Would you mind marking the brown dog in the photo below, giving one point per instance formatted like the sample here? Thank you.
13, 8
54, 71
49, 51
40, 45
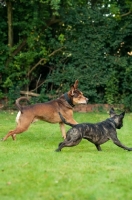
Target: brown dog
48, 111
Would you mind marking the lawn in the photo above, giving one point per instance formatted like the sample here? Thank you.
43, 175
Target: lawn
30, 169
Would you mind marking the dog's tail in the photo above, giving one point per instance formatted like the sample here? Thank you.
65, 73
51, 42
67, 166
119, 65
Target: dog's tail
64, 121
19, 106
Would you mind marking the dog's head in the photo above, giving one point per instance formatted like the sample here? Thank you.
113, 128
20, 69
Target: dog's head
118, 119
76, 95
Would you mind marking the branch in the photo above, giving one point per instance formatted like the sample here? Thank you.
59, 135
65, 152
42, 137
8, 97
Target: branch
38, 86
53, 20
28, 93
19, 47
56, 51
126, 13
38, 63
38, 82
16, 51
44, 59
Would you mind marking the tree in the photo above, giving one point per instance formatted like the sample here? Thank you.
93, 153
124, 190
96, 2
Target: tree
55, 42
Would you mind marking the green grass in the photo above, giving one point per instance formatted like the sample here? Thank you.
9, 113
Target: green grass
31, 169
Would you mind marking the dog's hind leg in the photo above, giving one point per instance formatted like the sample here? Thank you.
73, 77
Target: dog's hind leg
14, 136
65, 144
69, 143
14, 132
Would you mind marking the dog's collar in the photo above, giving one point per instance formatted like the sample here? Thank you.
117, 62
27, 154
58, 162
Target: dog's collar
68, 99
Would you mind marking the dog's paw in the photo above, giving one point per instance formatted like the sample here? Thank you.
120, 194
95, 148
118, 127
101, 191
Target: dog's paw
130, 149
57, 150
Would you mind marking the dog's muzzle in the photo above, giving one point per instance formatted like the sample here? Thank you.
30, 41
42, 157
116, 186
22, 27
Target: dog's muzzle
87, 100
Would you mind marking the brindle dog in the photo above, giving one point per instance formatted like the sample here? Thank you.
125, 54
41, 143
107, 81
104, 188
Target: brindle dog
98, 133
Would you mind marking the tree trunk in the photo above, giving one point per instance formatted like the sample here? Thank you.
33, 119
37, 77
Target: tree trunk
10, 29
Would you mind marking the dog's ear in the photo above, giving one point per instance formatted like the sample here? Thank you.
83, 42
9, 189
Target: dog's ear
112, 109
112, 112
72, 91
122, 114
76, 84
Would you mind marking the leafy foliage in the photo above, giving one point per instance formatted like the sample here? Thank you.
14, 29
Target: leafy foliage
56, 42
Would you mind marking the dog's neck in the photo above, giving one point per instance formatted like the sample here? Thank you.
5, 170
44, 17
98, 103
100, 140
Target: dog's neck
113, 122
68, 99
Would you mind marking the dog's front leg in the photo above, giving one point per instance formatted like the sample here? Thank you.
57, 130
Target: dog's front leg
119, 144
62, 127
98, 147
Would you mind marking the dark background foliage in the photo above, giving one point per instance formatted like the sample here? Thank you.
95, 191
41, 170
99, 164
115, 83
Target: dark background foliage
46, 45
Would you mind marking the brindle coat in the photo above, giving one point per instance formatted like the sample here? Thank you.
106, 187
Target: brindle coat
98, 133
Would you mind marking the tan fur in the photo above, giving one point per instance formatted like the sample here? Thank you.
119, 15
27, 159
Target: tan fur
48, 111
